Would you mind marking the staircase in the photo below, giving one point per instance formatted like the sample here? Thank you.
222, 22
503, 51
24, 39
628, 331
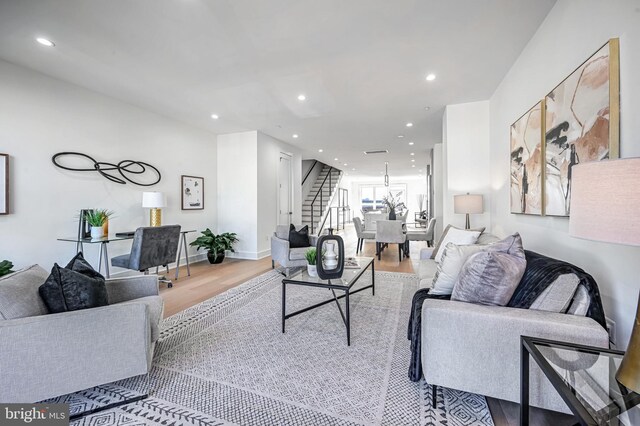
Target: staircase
316, 206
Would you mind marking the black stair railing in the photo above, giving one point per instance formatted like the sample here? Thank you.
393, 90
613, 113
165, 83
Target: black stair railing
309, 172
321, 200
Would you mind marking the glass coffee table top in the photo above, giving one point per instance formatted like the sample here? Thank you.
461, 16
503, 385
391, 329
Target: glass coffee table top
589, 374
349, 276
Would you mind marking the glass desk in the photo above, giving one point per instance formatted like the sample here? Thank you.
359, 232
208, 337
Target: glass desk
349, 277
103, 256
584, 376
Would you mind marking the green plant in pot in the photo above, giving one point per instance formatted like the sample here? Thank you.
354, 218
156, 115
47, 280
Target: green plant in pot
216, 245
311, 256
5, 267
96, 219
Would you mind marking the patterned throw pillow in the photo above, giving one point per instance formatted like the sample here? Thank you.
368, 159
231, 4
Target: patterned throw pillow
453, 258
490, 277
459, 237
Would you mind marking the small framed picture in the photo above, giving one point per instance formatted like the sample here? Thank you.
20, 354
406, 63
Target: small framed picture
4, 184
192, 193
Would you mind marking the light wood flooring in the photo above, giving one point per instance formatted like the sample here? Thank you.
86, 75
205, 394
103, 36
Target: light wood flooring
208, 280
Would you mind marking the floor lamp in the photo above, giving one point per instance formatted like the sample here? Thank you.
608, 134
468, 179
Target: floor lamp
605, 201
468, 204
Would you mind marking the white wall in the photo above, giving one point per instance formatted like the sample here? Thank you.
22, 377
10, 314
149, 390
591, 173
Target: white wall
438, 185
40, 116
466, 152
571, 33
238, 190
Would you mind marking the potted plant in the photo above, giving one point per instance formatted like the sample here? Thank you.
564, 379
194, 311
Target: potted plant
393, 203
311, 256
96, 219
5, 267
216, 245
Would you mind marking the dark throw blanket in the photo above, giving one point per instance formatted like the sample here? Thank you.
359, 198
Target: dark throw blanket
541, 272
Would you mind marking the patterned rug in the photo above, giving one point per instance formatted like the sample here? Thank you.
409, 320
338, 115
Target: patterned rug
226, 362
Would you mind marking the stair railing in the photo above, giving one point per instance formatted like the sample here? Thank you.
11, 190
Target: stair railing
322, 202
309, 172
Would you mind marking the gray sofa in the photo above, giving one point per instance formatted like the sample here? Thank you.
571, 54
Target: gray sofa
286, 256
476, 348
46, 355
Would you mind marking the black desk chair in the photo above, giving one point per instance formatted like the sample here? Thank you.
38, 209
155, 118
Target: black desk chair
152, 247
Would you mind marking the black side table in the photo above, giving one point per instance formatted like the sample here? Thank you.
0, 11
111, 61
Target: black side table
584, 376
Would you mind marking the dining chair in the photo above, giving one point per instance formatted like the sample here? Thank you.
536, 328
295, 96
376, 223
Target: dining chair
362, 234
390, 232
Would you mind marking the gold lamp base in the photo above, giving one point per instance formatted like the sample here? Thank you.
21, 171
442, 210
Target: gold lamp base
629, 372
155, 217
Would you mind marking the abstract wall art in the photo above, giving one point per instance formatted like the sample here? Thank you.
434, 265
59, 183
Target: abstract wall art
4, 184
582, 123
192, 193
527, 134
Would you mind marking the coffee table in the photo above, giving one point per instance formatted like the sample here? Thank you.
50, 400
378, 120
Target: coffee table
344, 284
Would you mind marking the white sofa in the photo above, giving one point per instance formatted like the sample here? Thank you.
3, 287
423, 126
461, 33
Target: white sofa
476, 348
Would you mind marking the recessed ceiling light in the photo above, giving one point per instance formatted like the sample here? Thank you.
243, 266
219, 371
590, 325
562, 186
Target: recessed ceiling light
295, 136
409, 124
413, 160
400, 136
427, 108
301, 97
353, 169
410, 143
413, 153
215, 116
345, 164
335, 159
420, 170
413, 165
45, 42
431, 77
320, 150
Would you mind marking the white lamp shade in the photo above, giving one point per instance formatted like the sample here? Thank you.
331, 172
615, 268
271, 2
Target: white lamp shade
468, 203
153, 200
605, 201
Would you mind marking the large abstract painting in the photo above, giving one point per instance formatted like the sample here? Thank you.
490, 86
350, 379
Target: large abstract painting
582, 123
527, 162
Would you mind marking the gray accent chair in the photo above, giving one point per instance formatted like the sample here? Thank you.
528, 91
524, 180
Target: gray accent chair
390, 232
362, 234
152, 247
284, 255
46, 355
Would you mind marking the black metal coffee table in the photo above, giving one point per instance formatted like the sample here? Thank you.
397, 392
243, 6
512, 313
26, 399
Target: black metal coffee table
345, 284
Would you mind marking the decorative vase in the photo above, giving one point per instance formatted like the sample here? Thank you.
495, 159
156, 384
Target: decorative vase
97, 232
105, 227
312, 270
392, 214
215, 259
330, 257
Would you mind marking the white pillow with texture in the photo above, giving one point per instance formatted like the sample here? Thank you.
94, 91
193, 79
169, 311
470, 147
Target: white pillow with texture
453, 258
458, 237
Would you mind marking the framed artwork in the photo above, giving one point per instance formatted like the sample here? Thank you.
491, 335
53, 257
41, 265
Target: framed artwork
192, 193
582, 123
527, 166
4, 184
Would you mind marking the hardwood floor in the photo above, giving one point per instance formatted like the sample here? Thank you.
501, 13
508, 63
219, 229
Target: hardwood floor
208, 280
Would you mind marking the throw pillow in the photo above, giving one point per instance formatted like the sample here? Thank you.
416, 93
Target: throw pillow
77, 287
458, 237
299, 238
443, 236
490, 277
453, 258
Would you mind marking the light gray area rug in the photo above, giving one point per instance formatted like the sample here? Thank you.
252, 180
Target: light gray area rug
226, 362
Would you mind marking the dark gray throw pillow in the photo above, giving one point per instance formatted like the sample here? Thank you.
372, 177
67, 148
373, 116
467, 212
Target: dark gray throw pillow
74, 288
299, 238
491, 276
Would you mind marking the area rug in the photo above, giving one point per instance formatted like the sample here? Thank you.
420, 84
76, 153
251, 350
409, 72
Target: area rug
226, 362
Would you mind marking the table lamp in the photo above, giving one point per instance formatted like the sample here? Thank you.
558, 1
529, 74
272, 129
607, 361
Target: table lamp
154, 201
468, 204
605, 200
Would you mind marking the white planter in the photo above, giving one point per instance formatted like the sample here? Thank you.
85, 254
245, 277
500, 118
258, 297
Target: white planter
312, 270
97, 232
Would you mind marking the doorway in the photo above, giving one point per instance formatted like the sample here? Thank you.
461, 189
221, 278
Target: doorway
285, 211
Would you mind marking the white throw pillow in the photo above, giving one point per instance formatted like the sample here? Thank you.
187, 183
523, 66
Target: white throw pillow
449, 267
458, 237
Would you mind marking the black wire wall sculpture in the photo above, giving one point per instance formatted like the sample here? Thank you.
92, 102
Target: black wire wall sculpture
126, 168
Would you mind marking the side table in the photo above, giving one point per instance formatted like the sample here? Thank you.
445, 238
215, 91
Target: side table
183, 243
584, 376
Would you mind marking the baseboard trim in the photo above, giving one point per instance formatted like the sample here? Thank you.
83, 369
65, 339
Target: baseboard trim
249, 255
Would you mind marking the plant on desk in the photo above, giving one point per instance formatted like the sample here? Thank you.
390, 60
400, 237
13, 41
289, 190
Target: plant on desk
5, 267
216, 245
97, 219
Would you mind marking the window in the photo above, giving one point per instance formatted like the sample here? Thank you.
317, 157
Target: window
371, 195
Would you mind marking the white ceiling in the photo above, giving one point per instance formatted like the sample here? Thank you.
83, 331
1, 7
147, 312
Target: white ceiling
361, 63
